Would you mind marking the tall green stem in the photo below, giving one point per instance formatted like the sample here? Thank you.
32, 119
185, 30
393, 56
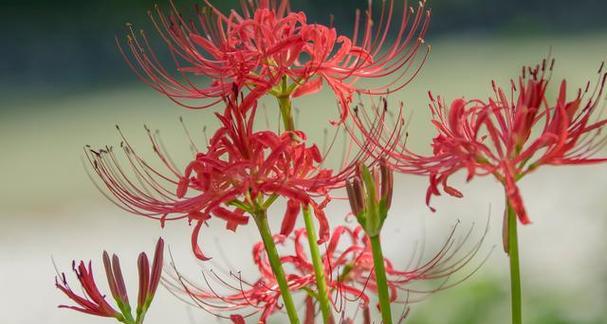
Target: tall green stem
285, 105
381, 280
319, 271
284, 102
261, 219
515, 272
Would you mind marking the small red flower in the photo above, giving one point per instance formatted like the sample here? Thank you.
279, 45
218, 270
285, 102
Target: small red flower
94, 303
508, 136
348, 261
267, 44
243, 299
242, 169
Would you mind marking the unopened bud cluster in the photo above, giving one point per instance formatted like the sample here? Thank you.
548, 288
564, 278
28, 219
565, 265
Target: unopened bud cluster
370, 196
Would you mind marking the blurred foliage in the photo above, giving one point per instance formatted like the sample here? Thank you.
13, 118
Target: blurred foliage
485, 300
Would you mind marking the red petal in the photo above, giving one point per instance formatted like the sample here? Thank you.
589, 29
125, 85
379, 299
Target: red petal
290, 217
233, 218
455, 112
515, 199
323, 230
182, 187
237, 319
195, 247
310, 311
309, 87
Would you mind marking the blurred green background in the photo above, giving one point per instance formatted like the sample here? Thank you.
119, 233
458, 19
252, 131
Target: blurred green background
63, 84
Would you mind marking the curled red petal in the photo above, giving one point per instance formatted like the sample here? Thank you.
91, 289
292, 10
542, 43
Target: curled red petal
195, 247
308, 87
323, 229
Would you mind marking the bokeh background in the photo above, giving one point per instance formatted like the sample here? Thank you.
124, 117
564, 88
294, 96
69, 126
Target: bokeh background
63, 84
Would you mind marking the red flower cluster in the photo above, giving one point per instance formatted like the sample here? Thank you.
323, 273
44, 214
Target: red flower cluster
266, 45
507, 136
239, 169
350, 276
94, 302
511, 136
267, 49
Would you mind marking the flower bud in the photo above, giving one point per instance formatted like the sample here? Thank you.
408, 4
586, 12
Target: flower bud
93, 301
355, 196
370, 196
387, 183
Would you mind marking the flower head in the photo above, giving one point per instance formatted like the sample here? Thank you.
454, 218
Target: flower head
94, 302
242, 298
348, 261
507, 136
241, 171
267, 48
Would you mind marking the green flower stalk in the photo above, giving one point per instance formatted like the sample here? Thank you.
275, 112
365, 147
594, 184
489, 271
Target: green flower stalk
526, 125
322, 295
511, 247
261, 219
370, 196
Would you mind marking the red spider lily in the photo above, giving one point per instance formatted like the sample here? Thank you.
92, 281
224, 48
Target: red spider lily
243, 299
510, 137
239, 169
506, 136
267, 45
349, 265
94, 303
349, 259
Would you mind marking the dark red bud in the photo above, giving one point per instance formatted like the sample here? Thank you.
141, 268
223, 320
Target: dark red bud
352, 198
119, 279
107, 264
359, 195
156, 267
387, 183
143, 267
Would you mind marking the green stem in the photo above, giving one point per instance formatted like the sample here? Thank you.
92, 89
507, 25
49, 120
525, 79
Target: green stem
125, 309
381, 280
515, 272
126, 320
261, 220
284, 102
140, 317
319, 271
285, 105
